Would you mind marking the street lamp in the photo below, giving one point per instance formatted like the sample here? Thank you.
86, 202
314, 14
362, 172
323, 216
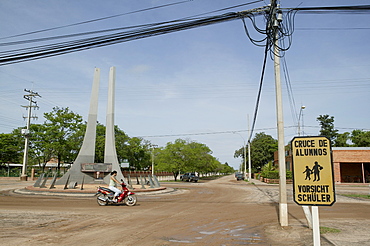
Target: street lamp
153, 146
299, 120
245, 157
306, 209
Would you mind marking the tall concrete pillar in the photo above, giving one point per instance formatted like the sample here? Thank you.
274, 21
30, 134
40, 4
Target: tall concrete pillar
87, 151
110, 153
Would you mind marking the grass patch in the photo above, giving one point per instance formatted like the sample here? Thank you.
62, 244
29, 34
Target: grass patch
357, 196
324, 230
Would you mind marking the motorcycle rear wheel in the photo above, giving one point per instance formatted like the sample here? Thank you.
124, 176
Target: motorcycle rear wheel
103, 201
130, 200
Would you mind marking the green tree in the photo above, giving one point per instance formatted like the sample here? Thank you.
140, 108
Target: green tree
186, 156
172, 158
75, 140
61, 126
10, 148
61, 136
327, 127
199, 158
360, 138
262, 149
138, 153
122, 144
100, 143
121, 141
226, 169
39, 153
342, 140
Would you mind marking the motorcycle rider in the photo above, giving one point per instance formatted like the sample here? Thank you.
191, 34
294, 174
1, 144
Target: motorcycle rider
112, 185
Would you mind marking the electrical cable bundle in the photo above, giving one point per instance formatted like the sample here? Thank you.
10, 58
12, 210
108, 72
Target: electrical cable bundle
143, 31
38, 52
130, 33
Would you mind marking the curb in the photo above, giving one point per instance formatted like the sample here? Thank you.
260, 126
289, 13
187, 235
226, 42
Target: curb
30, 190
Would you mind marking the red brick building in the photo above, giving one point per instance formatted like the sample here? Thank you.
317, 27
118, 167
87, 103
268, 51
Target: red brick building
350, 164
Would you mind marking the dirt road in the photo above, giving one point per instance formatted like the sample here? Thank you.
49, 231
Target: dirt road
218, 212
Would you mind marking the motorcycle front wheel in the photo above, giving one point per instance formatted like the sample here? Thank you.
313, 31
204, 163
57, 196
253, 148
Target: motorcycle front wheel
130, 200
102, 199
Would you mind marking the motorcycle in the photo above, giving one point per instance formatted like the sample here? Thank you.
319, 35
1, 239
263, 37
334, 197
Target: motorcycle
105, 196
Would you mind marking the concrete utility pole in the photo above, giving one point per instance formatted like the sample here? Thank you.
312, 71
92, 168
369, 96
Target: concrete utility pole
276, 19
152, 153
306, 209
245, 155
26, 132
245, 161
249, 153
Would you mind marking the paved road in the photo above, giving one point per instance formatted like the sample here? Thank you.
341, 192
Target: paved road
218, 212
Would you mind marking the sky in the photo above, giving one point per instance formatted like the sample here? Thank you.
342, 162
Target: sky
200, 84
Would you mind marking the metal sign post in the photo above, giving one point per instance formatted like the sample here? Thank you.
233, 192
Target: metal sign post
313, 179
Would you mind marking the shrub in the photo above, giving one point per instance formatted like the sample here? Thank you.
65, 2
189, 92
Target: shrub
275, 174
266, 169
289, 175
272, 175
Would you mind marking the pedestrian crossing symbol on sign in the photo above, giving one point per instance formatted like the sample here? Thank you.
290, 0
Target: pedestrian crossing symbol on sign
313, 182
315, 171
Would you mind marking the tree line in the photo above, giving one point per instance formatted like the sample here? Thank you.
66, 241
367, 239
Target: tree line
356, 138
61, 135
263, 146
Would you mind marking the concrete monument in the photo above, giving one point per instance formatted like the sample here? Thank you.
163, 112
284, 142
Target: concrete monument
84, 169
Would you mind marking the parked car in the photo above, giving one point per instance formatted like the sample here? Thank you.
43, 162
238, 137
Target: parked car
189, 177
239, 176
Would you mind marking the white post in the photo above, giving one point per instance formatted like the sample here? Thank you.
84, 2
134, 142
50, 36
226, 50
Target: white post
316, 226
26, 131
306, 209
25, 154
245, 161
363, 174
281, 147
307, 213
249, 152
283, 205
152, 153
152, 163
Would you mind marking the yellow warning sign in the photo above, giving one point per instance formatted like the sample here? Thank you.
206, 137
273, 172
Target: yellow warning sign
313, 182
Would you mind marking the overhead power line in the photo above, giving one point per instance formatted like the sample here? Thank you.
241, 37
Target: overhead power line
206, 133
38, 52
332, 28
238, 131
107, 30
43, 51
97, 19
360, 9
